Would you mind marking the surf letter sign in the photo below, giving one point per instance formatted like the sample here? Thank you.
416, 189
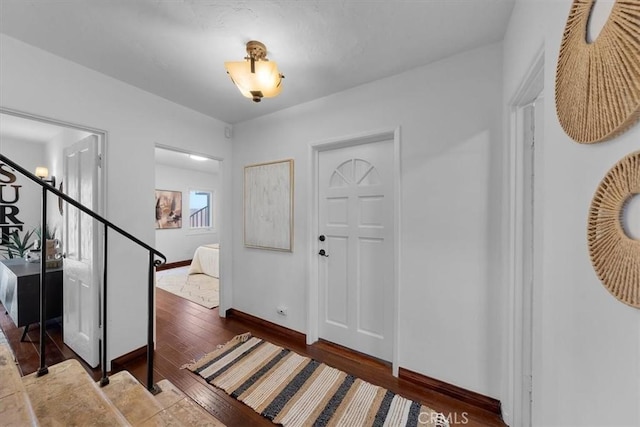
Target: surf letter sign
9, 196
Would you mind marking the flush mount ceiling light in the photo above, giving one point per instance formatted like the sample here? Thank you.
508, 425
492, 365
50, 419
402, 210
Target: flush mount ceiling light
256, 77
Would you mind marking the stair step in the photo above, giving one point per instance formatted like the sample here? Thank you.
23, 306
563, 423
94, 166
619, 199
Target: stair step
15, 406
180, 409
67, 396
170, 407
131, 398
170, 394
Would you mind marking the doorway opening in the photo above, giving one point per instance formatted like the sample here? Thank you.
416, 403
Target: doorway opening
188, 223
70, 154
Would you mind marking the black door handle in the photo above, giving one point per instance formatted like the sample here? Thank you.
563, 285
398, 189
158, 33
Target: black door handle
323, 253
322, 238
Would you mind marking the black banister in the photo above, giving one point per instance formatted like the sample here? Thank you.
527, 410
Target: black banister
153, 263
80, 206
150, 384
43, 370
103, 363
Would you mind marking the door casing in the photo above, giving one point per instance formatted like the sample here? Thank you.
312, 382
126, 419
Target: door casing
102, 176
518, 350
312, 216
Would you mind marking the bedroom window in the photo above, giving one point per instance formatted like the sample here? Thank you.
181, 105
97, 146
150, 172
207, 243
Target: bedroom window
200, 209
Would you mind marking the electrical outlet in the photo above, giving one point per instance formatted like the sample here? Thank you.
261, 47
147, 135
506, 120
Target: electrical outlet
282, 311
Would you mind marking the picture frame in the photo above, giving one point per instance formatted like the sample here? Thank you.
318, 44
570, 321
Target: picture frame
168, 209
268, 205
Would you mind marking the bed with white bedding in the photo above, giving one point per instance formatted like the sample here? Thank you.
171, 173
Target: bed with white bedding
206, 260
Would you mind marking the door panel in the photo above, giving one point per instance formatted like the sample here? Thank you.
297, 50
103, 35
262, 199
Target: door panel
371, 211
355, 213
81, 283
338, 211
336, 296
370, 300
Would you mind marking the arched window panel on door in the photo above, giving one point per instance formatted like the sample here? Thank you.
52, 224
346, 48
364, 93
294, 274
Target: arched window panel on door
355, 172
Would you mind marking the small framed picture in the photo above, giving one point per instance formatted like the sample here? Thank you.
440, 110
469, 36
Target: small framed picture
168, 209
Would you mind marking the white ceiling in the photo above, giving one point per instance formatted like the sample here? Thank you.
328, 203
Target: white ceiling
176, 48
20, 129
182, 160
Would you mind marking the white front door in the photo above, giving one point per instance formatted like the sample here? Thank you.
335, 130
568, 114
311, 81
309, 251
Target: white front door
81, 281
356, 233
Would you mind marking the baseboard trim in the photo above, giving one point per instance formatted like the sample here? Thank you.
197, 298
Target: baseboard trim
232, 313
471, 397
174, 265
118, 363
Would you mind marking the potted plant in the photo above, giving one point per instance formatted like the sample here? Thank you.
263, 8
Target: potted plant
49, 235
50, 250
16, 246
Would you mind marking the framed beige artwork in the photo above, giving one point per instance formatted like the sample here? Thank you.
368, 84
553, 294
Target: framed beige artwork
268, 205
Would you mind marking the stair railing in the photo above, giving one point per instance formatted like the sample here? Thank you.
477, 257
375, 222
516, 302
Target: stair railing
199, 218
153, 264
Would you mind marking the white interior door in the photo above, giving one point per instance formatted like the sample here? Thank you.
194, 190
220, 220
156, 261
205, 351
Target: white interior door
81, 281
356, 275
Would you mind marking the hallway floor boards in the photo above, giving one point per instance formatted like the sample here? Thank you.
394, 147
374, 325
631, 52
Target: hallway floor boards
187, 331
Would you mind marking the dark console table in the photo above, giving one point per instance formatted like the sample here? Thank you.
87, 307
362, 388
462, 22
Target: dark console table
20, 292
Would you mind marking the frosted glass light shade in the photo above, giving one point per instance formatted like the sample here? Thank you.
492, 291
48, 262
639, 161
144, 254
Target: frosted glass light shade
42, 172
265, 82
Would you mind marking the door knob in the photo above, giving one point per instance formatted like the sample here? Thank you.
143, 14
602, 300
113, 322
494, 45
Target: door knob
323, 253
322, 238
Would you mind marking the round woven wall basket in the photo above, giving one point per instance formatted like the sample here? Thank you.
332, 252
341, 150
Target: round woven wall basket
615, 255
598, 83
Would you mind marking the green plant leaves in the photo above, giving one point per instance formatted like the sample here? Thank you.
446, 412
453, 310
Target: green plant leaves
17, 246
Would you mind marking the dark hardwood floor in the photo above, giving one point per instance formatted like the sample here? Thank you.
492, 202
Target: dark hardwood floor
187, 331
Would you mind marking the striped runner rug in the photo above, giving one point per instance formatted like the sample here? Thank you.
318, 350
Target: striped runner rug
294, 390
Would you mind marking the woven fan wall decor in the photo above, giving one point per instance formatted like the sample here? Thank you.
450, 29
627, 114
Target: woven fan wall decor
615, 255
598, 83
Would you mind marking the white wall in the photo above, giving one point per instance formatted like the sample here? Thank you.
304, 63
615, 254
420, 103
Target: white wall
37, 82
179, 244
450, 119
29, 155
587, 355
